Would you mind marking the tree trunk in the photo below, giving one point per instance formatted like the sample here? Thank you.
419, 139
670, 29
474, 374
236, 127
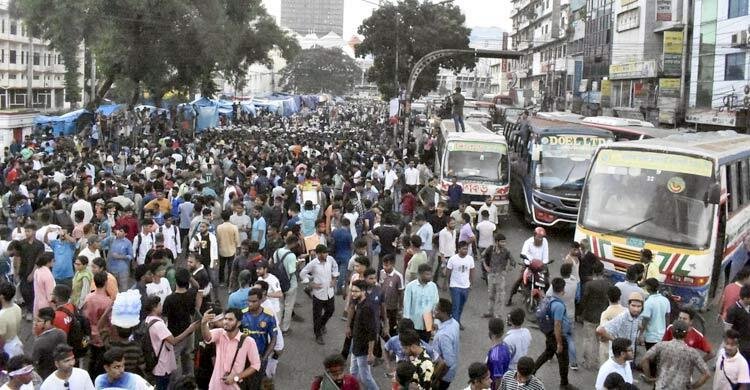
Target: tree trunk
97, 100
136, 95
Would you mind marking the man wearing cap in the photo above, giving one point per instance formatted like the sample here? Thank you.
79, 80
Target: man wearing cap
67, 376
324, 272
626, 325
677, 362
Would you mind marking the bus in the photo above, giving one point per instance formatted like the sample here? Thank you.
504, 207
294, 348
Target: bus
685, 197
478, 159
549, 160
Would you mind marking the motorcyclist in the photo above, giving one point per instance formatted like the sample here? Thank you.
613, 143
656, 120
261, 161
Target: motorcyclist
535, 248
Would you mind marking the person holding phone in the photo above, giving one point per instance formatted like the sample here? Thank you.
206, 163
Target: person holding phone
233, 350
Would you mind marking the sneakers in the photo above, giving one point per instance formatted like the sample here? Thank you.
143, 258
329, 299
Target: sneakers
574, 367
319, 340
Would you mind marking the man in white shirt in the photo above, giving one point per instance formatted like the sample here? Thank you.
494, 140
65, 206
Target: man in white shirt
491, 208
67, 375
411, 175
622, 355
486, 231
143, 242
425, 232
83, 205
460, 271
536, 247
390, 177
274, 286
241, 220
324, 272
446, 246
171, 234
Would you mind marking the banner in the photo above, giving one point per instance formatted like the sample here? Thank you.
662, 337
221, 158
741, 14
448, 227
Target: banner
672, 58
664, 10
669, 88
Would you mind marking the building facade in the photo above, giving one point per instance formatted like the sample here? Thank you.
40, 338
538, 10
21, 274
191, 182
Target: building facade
540, 29
23, 57
313, 16
719, 71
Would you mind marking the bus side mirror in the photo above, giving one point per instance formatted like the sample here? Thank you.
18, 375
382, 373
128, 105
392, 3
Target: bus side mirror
713, 195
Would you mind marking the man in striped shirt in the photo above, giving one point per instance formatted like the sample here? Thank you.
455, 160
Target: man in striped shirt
522, 378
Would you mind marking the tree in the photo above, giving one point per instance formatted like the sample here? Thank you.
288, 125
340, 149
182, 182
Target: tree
159, 45
398, 35
318, 70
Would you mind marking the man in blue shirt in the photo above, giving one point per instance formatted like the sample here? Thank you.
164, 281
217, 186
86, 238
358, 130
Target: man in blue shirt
238, 299
258, 232
446, 342
259, 324
119, 257
500, 355
420, 297
342, 250
64, 248
556, 344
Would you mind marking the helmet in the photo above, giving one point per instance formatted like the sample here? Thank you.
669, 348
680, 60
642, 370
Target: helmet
540, 232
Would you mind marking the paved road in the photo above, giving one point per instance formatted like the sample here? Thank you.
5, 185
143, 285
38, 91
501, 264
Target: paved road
302, 358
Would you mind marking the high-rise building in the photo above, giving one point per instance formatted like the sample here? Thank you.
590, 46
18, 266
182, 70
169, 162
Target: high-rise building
23, 57
313, 16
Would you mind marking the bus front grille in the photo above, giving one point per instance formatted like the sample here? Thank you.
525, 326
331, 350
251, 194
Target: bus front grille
626, 254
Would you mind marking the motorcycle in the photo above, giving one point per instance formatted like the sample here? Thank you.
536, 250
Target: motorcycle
534, 282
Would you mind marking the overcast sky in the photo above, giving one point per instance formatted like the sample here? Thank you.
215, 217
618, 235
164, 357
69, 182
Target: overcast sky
479, 13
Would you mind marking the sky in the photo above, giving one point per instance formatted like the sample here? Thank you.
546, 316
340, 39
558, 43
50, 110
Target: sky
479, 13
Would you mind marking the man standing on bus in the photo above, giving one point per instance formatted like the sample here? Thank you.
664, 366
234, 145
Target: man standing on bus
457, 109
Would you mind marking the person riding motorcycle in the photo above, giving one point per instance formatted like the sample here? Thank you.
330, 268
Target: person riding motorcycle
535, 248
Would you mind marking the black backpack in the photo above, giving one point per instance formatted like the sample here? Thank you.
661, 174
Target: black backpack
79, 332
150, 357
278, 270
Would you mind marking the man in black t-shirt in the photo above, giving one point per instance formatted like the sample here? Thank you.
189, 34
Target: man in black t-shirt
200, 275
29, 249
178, 308
386, 234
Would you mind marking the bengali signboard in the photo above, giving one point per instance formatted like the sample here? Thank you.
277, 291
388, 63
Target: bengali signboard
633, 70
669, 87
672, 60
606, 92
664, 10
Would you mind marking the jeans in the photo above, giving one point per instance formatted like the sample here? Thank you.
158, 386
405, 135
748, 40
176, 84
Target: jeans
550, 351
458, 119
343, 274
322, 312
458, 297
495, 292
590, 345
361, 370
162, 382
183, 353
571, 346
290, 298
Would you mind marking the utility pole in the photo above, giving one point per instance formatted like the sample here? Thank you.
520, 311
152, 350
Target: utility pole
93, 76
687, 10
30, 73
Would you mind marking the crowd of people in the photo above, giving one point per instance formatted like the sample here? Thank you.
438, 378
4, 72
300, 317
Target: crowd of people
183, 263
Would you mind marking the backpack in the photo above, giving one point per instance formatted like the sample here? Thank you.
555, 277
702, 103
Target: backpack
150, 357
79, 332
543, 314
278, 270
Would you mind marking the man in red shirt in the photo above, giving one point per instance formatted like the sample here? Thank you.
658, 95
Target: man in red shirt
694, 338
130, 222
732, 291
63, 308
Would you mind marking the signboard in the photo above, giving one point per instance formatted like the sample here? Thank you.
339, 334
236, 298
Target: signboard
712, 117
664, 10
569, 145
669, 88
633, 70
672, 59
606, 92
654, 161
479, 147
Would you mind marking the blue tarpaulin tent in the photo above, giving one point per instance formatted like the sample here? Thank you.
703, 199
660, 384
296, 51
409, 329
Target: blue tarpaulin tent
208, 113
65, 124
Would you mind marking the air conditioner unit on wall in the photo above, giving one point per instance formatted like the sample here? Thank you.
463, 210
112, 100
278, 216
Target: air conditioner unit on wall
739, 39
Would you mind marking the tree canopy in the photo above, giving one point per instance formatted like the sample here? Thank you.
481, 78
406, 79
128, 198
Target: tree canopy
320, 70
158, 45
400, 34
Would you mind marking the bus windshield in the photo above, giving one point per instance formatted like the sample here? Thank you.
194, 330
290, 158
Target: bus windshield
565, 160
477, 161
650, 195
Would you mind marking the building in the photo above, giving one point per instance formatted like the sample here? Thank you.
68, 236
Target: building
23, 57
540, 30
647, 59
719, 70
500, 71
313, 16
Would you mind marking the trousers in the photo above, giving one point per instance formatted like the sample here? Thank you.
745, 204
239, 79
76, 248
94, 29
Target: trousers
495, 292
290, 298
322, 312
550, 350
459, 296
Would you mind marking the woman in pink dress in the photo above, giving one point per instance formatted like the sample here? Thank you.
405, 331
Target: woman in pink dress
44, 282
